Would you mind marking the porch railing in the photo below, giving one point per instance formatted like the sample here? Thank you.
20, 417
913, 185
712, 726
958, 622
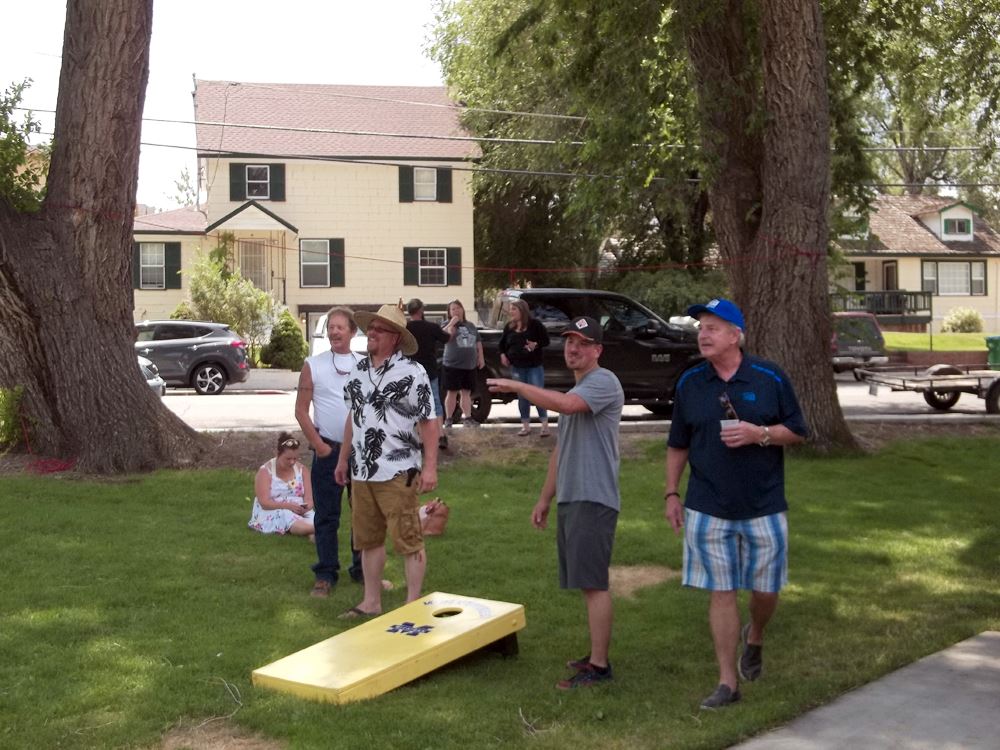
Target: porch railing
882, 303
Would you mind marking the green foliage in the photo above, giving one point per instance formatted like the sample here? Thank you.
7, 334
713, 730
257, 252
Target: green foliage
185, 193
670, 291
11, 433
962, 320
880, 577
22, 168
287, 348
225, 297
940, 342
183, 311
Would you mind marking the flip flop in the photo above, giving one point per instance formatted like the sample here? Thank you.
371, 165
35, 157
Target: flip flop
355, 613
544, 433
523, 432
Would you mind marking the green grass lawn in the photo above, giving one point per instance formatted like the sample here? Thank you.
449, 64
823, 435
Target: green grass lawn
942, 342
132, 606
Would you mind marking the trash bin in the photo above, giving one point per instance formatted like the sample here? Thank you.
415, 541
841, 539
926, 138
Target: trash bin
993, 352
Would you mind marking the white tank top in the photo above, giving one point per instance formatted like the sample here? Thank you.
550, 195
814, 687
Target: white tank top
328, 406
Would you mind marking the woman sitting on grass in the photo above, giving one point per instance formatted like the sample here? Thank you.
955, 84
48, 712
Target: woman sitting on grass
284, 503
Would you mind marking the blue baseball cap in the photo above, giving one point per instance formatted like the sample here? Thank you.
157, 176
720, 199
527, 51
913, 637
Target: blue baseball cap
723, 308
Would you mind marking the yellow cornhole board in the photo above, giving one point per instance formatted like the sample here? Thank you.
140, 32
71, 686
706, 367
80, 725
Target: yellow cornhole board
392, 649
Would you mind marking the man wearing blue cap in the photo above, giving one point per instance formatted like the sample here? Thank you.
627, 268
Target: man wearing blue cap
583, 472
732, 415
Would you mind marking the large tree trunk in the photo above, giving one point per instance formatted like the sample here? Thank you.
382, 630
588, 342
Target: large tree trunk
761, 80
66, 327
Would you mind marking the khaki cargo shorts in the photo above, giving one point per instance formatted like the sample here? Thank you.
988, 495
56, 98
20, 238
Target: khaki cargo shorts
381, 506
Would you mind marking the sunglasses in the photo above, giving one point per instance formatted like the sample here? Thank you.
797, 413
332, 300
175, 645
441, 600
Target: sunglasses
379, 329
290, 443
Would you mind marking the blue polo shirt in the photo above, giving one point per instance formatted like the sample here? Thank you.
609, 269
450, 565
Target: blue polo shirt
734, 483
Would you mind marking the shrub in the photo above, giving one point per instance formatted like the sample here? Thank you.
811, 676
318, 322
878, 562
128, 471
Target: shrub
670, 291
10, 411
287, 347
183, 311
962, 320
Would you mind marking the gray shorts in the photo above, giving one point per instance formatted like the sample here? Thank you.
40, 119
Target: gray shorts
585, 535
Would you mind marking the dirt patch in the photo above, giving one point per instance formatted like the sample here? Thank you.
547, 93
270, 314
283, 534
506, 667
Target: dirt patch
626, 580
216, 735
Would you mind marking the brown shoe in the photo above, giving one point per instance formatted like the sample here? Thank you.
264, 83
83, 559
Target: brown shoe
320, 589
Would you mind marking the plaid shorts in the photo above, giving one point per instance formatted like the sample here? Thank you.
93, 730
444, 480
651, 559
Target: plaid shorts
725, 555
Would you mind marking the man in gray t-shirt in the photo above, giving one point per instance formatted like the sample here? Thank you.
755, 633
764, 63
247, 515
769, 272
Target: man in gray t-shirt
583, 472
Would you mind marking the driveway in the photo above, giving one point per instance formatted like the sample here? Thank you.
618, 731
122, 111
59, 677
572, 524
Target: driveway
267, 402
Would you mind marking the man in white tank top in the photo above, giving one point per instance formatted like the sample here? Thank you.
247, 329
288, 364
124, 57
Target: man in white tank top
321, 385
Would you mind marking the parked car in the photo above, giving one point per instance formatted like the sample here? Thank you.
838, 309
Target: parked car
857, 341
647, 353
152, 376
193, 353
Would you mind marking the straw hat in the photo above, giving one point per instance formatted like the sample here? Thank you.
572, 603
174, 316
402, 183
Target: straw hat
393, 317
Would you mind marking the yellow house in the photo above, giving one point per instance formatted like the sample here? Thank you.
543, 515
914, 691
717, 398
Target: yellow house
355, 195
163, 244
919, 257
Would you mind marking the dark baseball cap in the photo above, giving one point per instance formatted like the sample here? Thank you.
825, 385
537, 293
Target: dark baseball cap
586, 328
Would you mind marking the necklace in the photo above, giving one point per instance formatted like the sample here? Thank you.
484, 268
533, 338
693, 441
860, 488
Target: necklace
354, 361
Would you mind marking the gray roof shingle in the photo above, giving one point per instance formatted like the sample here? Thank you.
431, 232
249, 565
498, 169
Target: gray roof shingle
896, 229
400, 110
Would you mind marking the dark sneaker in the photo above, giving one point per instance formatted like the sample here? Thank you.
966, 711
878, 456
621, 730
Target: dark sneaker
752, 659
577, 664
723, 696
443, 443
586, 677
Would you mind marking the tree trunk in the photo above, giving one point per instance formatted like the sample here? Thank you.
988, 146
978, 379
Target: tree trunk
66, 326
766, 136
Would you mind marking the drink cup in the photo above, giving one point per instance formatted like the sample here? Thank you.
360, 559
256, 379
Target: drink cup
728, 423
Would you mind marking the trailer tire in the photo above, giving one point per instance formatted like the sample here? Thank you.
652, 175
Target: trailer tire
942, 401
993, 398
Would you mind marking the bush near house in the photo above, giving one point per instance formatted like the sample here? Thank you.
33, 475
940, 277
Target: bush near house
287, 348
962, 320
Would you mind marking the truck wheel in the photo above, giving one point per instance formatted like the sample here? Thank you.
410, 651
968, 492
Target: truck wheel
481, 405
993, 398
660, 410
941, 400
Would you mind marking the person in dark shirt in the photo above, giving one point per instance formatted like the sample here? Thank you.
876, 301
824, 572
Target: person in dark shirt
732, 416
521, 348
428, 336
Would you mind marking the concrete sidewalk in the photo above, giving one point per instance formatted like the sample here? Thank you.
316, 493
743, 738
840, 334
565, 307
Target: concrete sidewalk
946, 701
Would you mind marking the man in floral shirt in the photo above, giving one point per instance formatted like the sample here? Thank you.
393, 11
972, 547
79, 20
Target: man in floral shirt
393, 433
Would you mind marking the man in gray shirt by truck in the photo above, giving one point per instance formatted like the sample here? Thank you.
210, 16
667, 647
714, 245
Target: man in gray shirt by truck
583, 472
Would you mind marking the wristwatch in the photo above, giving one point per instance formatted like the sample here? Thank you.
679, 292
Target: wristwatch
766, 440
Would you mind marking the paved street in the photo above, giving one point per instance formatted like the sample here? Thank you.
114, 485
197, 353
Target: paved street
267, 402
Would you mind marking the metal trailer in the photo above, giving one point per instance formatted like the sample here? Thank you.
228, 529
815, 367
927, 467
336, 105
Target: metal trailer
941, 385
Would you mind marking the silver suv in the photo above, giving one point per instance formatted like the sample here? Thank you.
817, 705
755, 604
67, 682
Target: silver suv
193, 353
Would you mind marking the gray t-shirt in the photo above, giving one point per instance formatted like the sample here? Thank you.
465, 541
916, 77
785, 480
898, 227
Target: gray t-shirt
588, 443
461, 352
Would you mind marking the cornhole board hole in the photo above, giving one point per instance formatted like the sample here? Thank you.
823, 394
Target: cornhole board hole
394, 648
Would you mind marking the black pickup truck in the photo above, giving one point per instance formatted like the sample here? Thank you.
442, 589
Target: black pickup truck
647, 353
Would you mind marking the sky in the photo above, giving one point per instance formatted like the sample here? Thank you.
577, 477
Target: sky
290, 41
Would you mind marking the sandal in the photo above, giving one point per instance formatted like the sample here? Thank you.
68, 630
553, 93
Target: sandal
544, 433
356, 613
524, 431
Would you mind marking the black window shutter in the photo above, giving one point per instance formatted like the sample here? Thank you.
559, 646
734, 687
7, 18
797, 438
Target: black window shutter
277, 186
172, 265
136, 271
411, 265
454, 266
237, 182
406, 184
444, 185
336, 262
